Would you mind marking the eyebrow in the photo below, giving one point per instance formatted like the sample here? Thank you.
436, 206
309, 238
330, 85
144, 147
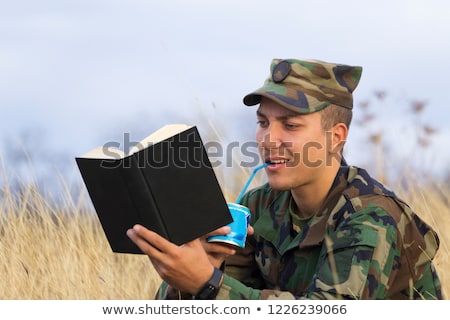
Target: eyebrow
289, 114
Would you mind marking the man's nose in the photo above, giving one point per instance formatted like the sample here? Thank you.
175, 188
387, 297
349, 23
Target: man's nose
272, 138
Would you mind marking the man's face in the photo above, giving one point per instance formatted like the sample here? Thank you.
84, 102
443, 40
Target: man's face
295, 145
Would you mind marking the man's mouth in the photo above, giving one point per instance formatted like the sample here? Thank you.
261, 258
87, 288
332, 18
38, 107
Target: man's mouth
276, 161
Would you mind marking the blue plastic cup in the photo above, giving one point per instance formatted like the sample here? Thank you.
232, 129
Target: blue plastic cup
238, 234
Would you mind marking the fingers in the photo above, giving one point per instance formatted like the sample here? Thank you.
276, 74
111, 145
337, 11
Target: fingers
219, 232
152, 243
149, 242
162, 252
219, 248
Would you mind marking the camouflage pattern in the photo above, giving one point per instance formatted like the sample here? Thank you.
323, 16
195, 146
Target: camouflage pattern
364, 243
306, 86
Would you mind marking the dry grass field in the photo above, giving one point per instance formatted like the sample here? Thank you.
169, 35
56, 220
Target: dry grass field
57, 250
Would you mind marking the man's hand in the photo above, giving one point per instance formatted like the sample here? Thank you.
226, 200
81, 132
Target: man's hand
217, 251
186, 268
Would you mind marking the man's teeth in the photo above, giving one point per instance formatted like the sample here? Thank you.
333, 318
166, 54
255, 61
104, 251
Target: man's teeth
278, 161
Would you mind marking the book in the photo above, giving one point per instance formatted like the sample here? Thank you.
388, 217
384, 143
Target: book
165, 182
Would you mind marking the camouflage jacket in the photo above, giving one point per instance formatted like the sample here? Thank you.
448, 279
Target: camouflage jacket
364, 243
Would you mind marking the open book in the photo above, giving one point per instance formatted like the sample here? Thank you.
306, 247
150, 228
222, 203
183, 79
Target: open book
165, 183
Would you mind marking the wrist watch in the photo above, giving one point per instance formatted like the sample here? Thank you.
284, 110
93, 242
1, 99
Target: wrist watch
211, 288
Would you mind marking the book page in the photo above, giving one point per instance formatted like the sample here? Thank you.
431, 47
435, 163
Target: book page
105, 153
161, 134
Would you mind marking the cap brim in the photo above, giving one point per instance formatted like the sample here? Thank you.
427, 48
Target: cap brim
268, 90
255, 97
252, 99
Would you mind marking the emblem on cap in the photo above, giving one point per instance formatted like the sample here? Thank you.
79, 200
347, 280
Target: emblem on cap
281, 71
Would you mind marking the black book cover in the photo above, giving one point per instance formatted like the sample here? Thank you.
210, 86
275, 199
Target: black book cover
169, 187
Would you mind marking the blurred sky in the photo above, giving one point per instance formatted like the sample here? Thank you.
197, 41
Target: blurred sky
74, 73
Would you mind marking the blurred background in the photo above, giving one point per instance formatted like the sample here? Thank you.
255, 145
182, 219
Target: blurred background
76, 74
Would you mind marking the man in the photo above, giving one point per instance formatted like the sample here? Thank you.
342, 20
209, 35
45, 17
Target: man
320, 229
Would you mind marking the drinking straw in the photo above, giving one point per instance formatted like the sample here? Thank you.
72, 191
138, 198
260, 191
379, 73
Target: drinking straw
250, 180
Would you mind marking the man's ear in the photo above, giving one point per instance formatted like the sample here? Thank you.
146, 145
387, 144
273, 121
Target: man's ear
338, 136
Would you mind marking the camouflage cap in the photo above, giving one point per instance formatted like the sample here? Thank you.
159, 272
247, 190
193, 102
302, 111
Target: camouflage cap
307, 86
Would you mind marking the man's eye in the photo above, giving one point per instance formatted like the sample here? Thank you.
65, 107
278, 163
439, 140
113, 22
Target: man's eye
262, 123
291, 126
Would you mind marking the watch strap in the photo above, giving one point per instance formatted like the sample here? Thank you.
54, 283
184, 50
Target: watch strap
211, 288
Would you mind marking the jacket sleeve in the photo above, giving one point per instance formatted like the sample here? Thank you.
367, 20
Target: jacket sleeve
167, 292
